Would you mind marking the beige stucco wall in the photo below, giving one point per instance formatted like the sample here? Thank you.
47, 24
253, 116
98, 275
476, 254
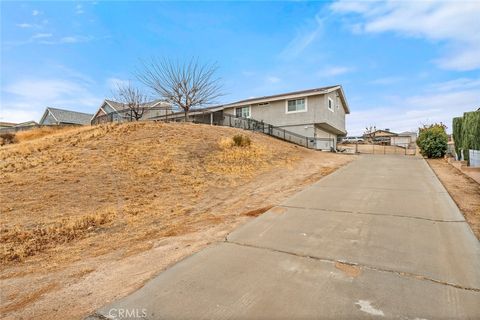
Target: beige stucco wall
401, 141
300, 122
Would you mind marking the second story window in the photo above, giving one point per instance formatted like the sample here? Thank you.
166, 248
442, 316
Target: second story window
330, 104
297, 105
242, 112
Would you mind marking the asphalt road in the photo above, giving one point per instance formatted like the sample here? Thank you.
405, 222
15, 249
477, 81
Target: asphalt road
379, 238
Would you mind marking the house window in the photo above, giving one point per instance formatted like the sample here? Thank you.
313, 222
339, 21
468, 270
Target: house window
297, 105
242, 112
330, 104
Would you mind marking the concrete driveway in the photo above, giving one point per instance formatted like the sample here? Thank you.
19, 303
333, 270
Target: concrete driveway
379, 238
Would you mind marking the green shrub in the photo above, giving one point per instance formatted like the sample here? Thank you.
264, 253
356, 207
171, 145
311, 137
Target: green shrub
457, 134
7, 138
240, 140
432, 140
470, 132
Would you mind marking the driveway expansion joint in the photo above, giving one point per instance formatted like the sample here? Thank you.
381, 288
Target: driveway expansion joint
363, 266
373, 213
379, 189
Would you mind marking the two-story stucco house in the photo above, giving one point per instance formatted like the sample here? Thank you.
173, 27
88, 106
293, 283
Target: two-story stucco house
318, 113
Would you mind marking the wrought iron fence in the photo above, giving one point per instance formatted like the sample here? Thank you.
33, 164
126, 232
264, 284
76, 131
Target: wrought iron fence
266, 128
222, 119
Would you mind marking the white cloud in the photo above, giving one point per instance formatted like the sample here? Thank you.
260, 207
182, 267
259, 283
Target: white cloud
440, 103
49, 39
42, 35
26, 99
335, 71
79, 9
71, 39
36, 13
305, 36
248, 73
454, 23
24, 25
456, 84
273, 79
68, 40
17, 115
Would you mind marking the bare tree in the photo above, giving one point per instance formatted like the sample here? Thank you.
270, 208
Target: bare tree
185, 85
133, 100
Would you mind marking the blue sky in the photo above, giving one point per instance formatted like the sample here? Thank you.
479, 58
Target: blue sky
402, 64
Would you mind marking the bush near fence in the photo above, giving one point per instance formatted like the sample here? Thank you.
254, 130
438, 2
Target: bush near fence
432, 140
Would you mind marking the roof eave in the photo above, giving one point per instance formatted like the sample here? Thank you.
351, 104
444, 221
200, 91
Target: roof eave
344, 99
280, 97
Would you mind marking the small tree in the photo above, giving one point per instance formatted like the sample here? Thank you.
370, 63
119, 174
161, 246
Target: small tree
184, 85
133, 100
432, 140
457, 135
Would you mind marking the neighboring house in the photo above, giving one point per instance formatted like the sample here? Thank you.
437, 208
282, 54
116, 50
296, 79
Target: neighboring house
7, 124
22, 126
379, 136
404, 139
112, 111
54, 116
388, 137
30, 123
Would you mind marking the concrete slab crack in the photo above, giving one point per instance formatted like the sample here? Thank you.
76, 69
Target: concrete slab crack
375, 214
362, 266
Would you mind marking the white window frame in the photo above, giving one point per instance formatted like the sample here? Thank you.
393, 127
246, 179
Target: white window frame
330, 104
249, 111
296, 111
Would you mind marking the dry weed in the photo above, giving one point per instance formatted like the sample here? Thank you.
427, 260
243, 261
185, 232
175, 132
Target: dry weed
42, 132
244, 160
22, 242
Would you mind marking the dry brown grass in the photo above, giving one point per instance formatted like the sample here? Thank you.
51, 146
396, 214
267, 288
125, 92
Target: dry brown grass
66, 185
42, 132
21, 242
80, 194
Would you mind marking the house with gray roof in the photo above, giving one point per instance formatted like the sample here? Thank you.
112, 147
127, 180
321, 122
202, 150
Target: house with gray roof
112, 111
55, 116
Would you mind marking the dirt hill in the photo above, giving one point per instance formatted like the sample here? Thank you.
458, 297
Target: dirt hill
77, 205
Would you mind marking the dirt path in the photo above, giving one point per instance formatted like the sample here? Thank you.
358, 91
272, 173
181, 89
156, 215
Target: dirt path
464, 191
